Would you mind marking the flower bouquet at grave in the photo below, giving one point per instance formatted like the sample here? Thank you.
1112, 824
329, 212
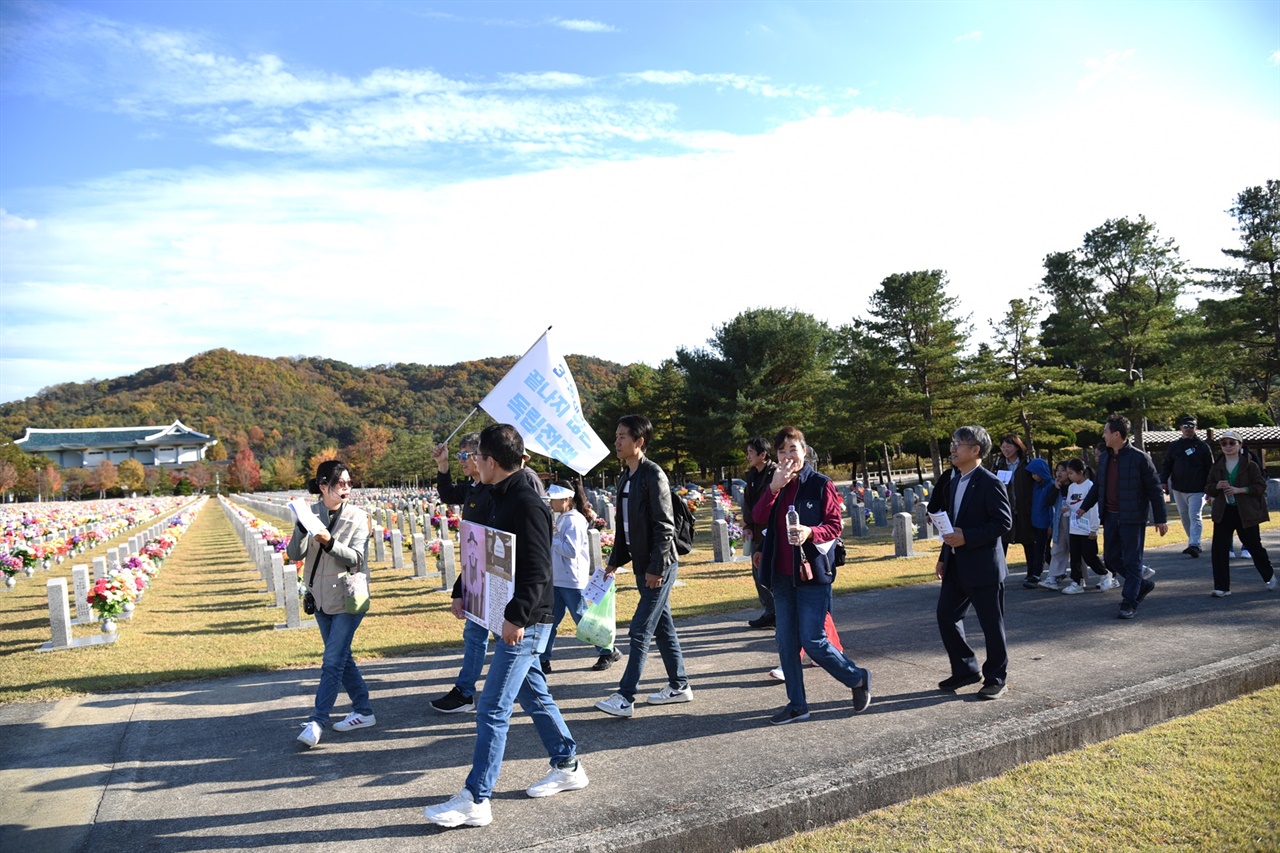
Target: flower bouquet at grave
10, 565
145, 569
735, 535
27, 554
435, 547
606, 542
386, 534
109, 596
155, 553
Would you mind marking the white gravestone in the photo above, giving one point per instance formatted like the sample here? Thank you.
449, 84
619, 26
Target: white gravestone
902, 542
80, 584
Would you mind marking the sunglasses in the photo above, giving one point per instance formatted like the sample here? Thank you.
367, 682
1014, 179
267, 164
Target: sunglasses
1228, 442
465, 455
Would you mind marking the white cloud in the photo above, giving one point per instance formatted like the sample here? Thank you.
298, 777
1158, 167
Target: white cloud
1274, 58
583, 26
1103, 68
753, 84
9, 222
975, 35
368, 265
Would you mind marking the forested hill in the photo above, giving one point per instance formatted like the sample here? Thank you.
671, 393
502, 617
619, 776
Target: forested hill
299, 404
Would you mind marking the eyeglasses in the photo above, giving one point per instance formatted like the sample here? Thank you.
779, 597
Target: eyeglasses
955, 444
339, 483
464, 455
1228, 442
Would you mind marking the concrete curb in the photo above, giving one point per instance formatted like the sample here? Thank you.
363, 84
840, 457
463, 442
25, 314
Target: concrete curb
796, 805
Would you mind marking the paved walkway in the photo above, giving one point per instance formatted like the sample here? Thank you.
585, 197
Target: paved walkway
213, 765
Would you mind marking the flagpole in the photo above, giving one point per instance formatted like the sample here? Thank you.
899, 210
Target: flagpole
461, 425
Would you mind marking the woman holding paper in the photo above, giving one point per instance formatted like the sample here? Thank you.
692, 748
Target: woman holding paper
571, 567
330, 553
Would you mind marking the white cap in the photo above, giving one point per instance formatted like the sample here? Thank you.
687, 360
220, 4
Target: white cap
558, 493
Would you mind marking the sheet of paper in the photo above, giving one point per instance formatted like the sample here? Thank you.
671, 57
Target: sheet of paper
941, 523
597, 587
306, 517
1004, 476
1080, 526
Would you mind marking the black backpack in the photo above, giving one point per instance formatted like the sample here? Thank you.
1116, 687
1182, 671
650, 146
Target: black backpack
684, 523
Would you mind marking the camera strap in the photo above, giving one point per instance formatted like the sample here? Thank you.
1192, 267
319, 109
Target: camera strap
333, 518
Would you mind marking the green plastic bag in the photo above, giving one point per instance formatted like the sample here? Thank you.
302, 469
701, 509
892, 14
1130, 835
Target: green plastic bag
356, 598
599, 623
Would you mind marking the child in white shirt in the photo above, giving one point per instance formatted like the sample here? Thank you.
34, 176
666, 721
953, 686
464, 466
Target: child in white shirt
1084, 531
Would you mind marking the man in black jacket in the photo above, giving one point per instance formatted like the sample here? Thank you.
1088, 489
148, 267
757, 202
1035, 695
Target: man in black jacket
1126, 487
514, 673
1184, 472
644, 536
473, 496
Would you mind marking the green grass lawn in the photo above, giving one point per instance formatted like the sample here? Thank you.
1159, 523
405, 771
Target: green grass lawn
1206, 782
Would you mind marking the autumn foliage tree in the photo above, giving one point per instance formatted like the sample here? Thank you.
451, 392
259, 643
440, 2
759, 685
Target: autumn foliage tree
132, 475
104, 477
244, 471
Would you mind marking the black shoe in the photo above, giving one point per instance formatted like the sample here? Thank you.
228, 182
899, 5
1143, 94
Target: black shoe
992, 691
546, 666
606, 660
1031, 583
788, 715
1194, 550
765, 620
1147, 586
454, 702
956, 681
1128, 611
862, 693
1190, 549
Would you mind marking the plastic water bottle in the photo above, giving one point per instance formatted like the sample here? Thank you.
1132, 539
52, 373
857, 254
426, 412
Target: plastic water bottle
793, 524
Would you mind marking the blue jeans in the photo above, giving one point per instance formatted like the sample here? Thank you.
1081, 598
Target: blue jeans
475, 645
338, 668
568, 600
514, 674
1122, 546
801, 613
1189, 506
652, 622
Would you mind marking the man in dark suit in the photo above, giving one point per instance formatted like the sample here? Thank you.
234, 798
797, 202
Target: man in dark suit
971, 566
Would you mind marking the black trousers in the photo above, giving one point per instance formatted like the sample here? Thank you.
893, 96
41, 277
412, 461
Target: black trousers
954, 601
1250, 537
1084, 550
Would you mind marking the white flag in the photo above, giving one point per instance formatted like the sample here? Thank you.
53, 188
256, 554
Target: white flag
540, 399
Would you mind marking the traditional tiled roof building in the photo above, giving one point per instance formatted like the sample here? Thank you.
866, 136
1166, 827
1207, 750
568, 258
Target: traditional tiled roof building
176, 444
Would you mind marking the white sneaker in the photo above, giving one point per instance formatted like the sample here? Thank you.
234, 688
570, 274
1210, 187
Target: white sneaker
1148, 573
615, 706
310, 734
670, 696
1049, 583
458, 810
1221, 593
776, 674
1073, 589
1245, 555
354, 721
1109, 581
559, 780
1274, 582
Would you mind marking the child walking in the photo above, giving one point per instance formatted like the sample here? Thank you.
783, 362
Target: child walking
1084, 531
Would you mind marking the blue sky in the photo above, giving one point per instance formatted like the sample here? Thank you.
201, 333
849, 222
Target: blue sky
432, 182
